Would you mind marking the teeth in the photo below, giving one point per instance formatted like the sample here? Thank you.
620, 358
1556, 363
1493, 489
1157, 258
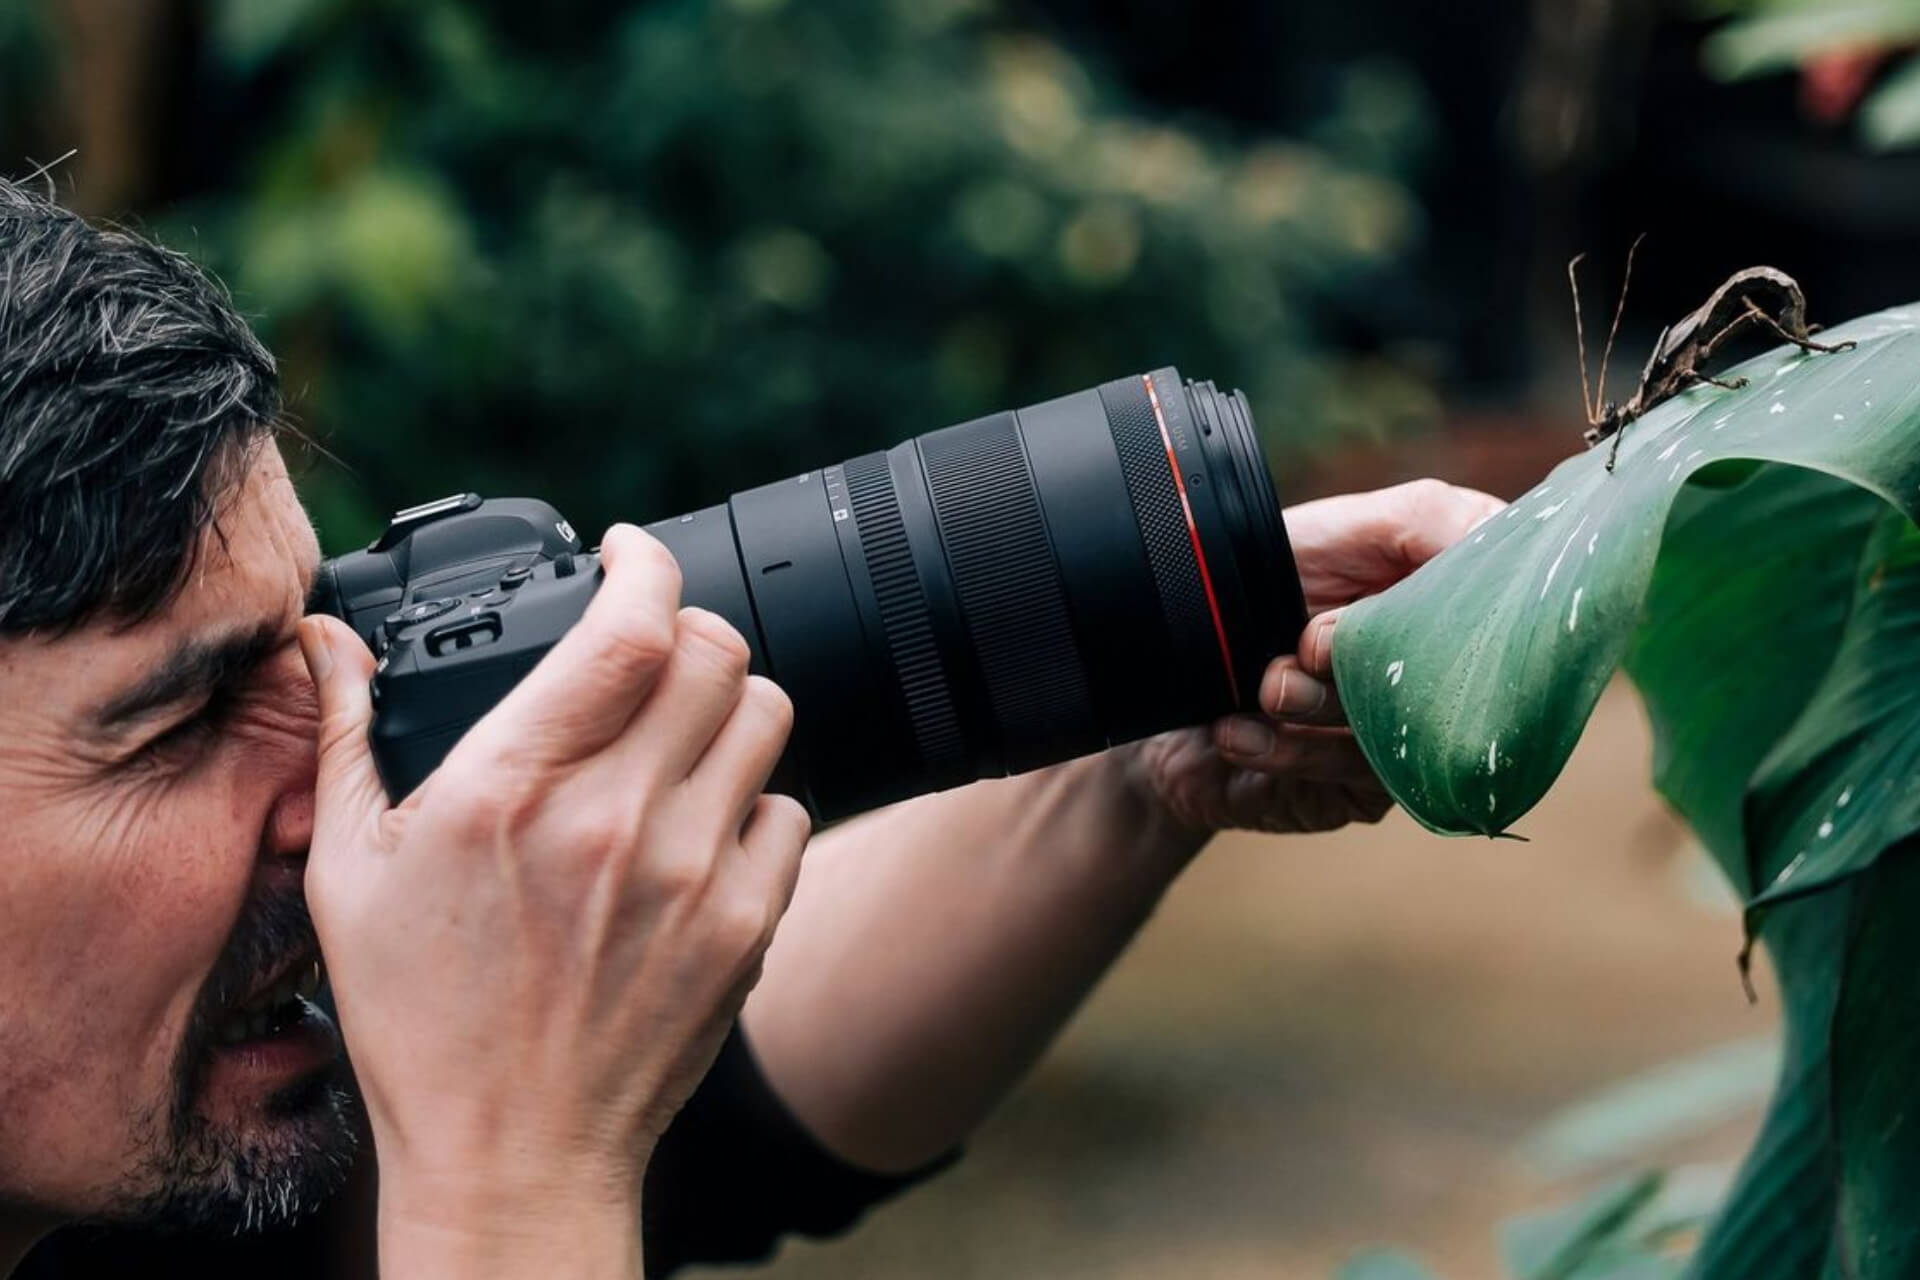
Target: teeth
308, 985
256, 1017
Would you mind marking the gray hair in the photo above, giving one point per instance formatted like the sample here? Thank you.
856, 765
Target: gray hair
130, 394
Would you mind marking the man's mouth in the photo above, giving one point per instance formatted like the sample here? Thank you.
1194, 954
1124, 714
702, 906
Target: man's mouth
277, 1005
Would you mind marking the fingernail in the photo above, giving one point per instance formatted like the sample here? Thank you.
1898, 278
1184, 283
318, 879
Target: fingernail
1323, 642
315, 649
1299, 695
1249, 738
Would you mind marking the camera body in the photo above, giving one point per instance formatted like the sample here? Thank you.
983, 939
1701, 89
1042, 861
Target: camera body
458, 600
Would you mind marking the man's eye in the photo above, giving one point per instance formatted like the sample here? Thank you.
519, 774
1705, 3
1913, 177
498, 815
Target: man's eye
189, 736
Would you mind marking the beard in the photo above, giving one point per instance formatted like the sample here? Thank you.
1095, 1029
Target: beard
193, 1173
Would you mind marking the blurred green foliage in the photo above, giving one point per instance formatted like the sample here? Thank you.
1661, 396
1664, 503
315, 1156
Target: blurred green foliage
26, 77
1769, 36
632, 257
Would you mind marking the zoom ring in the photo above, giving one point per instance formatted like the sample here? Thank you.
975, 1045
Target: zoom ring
1009, 588
1158, 511
903, 614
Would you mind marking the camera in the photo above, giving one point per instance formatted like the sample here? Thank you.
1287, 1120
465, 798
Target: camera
984, 599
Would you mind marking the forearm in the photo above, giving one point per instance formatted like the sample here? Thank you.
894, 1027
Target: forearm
933, 950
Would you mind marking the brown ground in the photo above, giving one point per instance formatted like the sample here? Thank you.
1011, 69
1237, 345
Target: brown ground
1325, 1043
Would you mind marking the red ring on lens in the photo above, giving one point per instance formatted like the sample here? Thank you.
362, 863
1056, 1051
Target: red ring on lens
1193, 533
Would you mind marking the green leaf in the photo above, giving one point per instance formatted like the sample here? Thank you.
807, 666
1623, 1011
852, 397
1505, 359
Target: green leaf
1831, 1186
1673, 1100
1775, 1224
1591, 1237
246, 33
1776, 559
1776, 647
1701, 678
1891, 116
1844, 783
1781, 39
1469, 683
1876, 1062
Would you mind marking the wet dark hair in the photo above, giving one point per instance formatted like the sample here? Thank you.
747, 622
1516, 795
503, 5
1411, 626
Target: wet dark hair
131, 395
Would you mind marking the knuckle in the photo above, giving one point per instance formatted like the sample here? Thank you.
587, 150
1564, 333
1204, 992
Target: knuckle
635, 645
639, 826
1427, 492
599, 833
485, 806
1286, 756
790, 818
712, 640
740, 924
677, 878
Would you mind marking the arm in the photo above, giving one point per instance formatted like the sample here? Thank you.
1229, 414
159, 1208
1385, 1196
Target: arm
935, 948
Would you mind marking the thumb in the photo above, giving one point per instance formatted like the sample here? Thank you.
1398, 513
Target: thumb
348, 792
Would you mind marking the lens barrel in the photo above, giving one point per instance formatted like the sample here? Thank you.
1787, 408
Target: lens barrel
1007, 593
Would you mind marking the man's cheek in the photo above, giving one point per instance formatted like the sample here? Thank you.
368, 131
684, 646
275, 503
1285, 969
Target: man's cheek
110, 936
88, 1043
54, 1106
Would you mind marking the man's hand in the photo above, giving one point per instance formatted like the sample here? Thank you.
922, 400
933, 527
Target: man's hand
1297, 767
537, 954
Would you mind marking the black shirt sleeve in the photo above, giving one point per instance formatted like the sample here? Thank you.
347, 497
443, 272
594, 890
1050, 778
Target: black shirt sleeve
733, 1175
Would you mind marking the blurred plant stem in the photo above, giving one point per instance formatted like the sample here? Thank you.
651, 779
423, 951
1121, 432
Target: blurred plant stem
115, 81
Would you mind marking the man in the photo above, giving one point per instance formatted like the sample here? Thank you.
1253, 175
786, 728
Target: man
539, 955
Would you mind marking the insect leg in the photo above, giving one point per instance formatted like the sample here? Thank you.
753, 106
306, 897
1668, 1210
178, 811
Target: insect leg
1801, 340
1729, 384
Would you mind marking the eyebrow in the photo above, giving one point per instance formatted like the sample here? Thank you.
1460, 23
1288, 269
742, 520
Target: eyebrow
191, 672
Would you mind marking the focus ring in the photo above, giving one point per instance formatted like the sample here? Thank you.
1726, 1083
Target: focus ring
903, 614
1009, 589
1163, 521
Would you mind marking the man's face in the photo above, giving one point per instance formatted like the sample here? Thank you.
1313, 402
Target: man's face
157, 787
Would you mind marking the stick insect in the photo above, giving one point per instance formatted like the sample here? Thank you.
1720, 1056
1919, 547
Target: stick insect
1758, 296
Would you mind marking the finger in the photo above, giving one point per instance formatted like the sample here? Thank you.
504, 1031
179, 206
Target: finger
1435, 515
700, 688
774, 837
1264, 802
1248, 742
1288, 693
729, 778
585, 691
348, 794
1316, 645
1373, 804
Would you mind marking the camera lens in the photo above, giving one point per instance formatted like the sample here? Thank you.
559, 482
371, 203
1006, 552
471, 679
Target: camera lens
1007, 593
